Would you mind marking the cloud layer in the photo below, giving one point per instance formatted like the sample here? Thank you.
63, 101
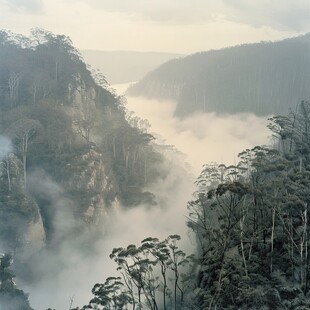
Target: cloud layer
177, 11
180, 26
25, 6
72, 271
278, 14
285, 14
203, 137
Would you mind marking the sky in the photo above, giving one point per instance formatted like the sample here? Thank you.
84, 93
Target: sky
177, 26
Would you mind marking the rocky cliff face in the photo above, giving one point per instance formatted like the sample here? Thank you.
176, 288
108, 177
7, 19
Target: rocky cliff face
87, 172
34, 237
75, 154
22, 227
85, 185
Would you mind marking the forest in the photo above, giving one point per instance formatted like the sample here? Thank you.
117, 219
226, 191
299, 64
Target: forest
69, 149
244, 78
71, 152
251, 226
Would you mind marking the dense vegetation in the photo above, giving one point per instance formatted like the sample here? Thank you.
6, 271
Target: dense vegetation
266, 78
68, 147
251, 225
154, 275
11, 298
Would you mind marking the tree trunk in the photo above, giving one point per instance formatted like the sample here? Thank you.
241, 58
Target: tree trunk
8, 173
272, 237
24, 151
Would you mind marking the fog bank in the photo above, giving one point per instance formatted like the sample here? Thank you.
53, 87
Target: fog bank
202, 137
69, 270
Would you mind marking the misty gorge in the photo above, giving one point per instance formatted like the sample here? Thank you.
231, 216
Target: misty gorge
181, 184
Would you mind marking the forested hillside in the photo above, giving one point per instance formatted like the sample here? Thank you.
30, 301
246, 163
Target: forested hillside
68, 151
264, 78
251, 225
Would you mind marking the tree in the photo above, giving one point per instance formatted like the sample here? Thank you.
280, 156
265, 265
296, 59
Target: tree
110, 295
13, 82
22, 131
252, 226
11, 298
156, 268
10, 166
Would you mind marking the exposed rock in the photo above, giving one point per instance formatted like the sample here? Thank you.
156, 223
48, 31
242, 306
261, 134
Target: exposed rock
34, 237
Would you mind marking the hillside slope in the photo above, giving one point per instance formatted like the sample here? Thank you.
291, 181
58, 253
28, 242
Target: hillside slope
264, 78
70, 152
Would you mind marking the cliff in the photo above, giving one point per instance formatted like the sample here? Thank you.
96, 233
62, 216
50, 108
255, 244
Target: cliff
73, 155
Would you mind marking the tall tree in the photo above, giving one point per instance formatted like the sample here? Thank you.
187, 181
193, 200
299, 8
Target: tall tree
22, 131
11, 298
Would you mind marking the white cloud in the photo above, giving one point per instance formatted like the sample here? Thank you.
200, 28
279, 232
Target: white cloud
178, 11
279, 14
25, 6
203, 137
180, 26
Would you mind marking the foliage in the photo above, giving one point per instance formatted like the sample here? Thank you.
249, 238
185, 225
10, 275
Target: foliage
153, 276
252, 226
65, 124
11, 298
264, 78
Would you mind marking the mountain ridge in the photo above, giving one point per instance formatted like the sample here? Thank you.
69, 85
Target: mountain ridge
263, 78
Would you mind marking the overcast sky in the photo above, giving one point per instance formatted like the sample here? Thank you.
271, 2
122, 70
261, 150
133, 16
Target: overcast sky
181, 26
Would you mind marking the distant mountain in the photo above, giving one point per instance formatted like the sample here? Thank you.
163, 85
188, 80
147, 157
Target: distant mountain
263, 78
125, 66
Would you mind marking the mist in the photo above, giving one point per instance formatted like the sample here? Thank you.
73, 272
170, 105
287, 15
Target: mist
201, 137
5, 146
76, 263
79, 257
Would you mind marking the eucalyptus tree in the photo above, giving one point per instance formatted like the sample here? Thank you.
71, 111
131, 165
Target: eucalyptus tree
111, 295
161, 253
137, 272
174, 266
22, 132
155, 275
252, 222
10, 167
11, 298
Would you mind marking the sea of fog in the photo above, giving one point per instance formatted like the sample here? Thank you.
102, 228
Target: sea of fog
202, 138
